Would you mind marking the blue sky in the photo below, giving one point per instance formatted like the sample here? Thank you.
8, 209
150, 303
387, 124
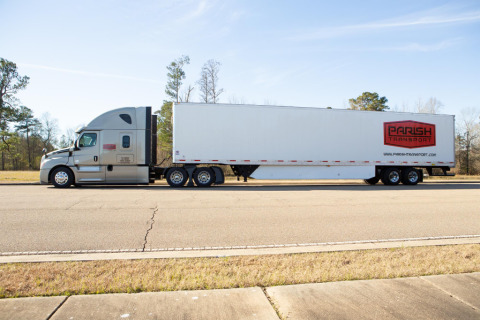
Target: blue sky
87, 57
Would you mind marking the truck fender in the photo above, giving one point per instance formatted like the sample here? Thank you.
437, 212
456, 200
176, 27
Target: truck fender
219, 176
58, 166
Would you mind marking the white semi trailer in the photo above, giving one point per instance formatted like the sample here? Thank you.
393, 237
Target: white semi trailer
261, 142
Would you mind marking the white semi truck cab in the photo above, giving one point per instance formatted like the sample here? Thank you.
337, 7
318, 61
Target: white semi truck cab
261, 142
117, 147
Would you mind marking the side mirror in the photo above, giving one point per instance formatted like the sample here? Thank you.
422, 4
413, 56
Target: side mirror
44, 152
75, 145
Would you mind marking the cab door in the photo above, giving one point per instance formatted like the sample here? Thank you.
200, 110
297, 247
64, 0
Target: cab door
86, 158
123, 167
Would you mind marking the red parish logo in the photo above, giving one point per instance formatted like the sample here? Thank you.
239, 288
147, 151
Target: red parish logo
409, 134
109, 147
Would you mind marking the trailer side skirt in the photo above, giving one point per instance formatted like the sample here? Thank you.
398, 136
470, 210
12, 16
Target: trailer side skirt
313, 172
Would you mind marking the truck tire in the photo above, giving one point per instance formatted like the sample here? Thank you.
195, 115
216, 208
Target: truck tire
391, 176
204, 177
410, 176
372, 181
62, 177
177, 177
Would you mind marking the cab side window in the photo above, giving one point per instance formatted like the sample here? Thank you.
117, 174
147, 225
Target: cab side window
88, 140
126, 142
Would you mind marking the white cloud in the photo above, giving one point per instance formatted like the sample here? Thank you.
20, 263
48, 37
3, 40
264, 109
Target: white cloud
423, 47
85, 73
407, 47
404, 22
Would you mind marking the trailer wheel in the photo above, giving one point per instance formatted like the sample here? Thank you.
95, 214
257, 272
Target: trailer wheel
372, 181
391, 176
62, 177
410, 176
177, 177
203, 177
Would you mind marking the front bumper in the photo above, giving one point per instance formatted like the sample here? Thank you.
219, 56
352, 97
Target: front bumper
44, 176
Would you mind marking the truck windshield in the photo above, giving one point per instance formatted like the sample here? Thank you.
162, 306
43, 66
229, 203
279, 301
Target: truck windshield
88, 140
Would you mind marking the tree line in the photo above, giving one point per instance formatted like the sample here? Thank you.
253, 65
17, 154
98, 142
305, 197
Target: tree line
23, 136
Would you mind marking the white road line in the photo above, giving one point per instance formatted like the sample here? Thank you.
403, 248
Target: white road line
28, 253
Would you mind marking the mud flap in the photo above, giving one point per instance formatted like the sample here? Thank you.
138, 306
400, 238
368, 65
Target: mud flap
219, 176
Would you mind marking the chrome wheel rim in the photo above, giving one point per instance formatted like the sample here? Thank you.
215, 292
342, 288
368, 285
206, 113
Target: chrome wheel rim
176, 177
394, 177
412, 176
204, 177
61, 177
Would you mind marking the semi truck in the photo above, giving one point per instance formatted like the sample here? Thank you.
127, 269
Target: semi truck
260, 142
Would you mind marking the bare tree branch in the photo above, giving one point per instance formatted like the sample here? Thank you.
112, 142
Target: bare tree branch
209, 91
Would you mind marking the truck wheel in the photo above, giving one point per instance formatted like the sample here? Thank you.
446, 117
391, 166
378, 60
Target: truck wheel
391, 176
410, 176
203, 177
372, 181
177, 177
62, 177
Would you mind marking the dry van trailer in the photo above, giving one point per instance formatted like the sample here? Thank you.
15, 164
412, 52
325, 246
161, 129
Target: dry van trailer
273, 142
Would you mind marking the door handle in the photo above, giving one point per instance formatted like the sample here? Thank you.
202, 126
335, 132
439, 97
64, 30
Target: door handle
95, 158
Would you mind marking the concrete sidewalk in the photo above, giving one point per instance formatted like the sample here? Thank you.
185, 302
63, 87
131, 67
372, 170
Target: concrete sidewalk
431, 297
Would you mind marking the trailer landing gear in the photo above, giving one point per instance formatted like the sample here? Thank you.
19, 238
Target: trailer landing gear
243, 170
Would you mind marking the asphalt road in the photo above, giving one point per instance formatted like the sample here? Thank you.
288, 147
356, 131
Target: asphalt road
42, 218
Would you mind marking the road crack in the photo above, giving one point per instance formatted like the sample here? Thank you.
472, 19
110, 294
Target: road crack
73, 205
151, 221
